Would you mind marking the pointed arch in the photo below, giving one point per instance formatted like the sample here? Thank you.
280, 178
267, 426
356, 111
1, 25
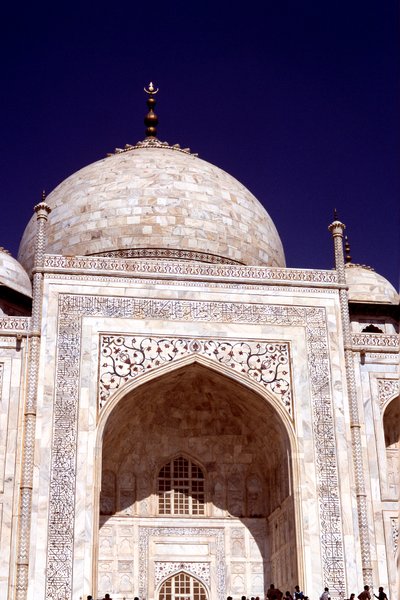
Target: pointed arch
251, 404
181, 586
144, 378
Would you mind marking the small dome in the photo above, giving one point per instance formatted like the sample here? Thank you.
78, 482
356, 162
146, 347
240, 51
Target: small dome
13, 275
157, 202
365, 285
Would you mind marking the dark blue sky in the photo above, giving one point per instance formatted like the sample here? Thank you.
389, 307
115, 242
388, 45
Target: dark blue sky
299, 100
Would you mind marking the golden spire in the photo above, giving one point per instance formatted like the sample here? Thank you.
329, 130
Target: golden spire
151, 120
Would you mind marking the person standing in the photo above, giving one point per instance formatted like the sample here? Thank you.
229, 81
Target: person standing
298, 594
365, 595
381, 594
325, 594
274, 593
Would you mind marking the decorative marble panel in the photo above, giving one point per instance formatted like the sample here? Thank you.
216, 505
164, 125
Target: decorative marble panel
17, 324
201, 570
125, 357
63, 467
145, 533
175, 268
375, 340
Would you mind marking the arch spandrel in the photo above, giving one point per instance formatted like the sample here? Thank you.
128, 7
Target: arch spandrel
127, 361
388, 390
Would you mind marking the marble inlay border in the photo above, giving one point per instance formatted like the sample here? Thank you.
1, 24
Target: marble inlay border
122, 358
1, 379
394, 523
165, 267
217, 533
387, 388
168, 253
63, 464
162, 570
239, 285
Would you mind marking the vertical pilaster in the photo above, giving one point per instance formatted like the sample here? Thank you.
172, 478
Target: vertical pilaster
25, 500
336, 228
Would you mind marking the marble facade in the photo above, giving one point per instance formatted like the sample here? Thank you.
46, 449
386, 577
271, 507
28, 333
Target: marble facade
275, 391
282, 433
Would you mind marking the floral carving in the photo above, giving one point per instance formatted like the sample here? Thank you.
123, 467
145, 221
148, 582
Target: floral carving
387, 389
125, 357
201, 570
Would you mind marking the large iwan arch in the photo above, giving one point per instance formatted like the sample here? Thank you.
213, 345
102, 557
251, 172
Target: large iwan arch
248, 533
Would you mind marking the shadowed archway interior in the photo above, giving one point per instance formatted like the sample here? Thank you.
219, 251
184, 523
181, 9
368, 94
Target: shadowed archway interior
187, 453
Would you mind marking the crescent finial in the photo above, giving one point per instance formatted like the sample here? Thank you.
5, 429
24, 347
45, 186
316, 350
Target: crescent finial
151, 90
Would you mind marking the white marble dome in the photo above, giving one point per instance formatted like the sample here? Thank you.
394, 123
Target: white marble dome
161, 202
365, 285
13, 275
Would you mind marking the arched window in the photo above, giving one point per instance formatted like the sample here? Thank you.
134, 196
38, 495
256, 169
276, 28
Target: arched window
181, 488
182, 587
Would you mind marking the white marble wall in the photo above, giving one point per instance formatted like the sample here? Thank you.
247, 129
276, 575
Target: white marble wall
152, 315
12, 361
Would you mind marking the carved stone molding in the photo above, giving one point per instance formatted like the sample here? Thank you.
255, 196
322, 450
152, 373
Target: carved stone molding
122, 358
202, 571
162, 570
17, 324
72, 308
219, 284
387, 388
375, 340
168, 254
186, 268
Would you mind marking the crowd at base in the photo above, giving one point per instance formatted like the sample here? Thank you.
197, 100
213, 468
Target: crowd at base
276, 594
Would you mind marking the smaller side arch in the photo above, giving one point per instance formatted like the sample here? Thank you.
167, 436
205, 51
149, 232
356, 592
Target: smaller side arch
181, 585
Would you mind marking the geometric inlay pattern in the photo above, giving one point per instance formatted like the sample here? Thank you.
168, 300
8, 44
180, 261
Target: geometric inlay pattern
72, 308
125, 357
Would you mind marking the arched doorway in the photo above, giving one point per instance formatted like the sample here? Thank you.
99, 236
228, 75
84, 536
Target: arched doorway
182, 587
391, 428
196, 475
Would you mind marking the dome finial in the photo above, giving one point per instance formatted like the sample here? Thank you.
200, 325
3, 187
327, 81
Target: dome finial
151, 120
347, 249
